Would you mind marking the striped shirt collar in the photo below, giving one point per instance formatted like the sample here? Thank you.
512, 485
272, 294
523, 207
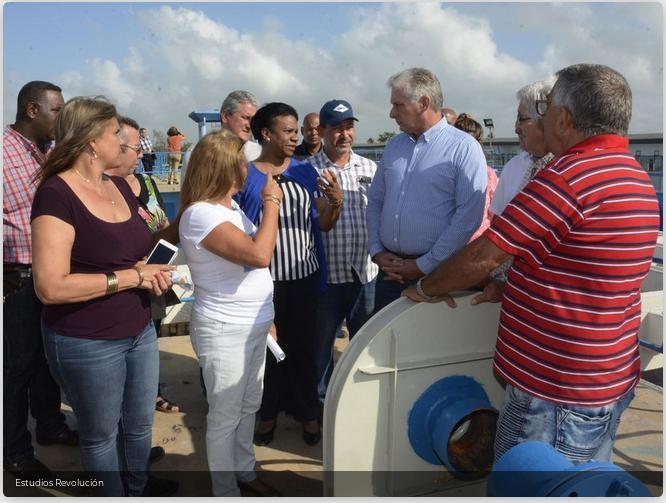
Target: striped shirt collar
601, 141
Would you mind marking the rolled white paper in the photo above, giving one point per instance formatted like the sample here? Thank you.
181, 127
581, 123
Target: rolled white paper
183, 279
275, 348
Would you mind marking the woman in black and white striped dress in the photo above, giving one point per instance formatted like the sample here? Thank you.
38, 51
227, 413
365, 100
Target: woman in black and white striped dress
298, 265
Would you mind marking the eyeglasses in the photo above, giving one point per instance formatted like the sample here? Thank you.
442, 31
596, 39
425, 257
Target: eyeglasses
541, 107
136, 148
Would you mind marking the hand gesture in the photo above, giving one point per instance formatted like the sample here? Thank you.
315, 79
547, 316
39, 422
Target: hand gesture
328, 185
273, 332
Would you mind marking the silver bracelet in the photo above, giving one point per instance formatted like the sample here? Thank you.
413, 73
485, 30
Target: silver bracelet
419, 290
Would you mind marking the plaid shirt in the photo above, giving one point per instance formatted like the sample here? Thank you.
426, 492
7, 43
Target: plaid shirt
146, 145
347, 242
21, 159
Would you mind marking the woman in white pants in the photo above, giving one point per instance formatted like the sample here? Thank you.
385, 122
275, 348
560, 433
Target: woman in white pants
233, 309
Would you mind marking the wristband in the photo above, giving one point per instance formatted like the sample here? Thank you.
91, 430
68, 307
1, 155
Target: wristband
419, 290
139, 271
111, 283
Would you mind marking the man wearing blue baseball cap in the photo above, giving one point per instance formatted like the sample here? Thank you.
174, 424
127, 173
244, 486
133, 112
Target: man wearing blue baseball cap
351, 272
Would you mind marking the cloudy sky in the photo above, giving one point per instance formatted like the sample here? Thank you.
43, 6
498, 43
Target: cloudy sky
158, 62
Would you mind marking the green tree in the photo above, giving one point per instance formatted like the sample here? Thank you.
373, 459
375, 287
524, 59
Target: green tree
159, 140
385, 136
370, 140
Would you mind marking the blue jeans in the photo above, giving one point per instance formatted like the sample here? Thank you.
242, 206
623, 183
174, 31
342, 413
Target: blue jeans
111, 385
353, 301
579, 433
388, 291
27, 382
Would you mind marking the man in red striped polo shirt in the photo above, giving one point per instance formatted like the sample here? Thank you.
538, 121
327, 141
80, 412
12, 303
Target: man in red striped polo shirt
582, 232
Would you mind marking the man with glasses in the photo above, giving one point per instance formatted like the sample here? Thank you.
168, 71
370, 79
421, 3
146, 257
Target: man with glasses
582, 232
519, 170
28, 385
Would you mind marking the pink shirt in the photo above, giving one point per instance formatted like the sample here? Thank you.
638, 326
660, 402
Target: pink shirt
21, 160
487, 215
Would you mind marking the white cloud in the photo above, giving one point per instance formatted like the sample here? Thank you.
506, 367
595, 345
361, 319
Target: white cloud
479, 52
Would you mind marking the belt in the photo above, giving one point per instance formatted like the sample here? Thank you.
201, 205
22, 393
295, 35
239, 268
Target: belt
20, 270
406, 257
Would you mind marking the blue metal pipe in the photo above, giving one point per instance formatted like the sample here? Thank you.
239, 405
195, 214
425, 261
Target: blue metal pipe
535, 468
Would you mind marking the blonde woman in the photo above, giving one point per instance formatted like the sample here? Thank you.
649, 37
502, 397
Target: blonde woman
233, 309
88, 243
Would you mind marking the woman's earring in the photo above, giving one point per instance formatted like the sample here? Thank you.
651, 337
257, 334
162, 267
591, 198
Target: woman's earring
94, 154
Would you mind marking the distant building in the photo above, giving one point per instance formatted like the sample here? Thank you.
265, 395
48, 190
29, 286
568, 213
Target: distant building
648, 149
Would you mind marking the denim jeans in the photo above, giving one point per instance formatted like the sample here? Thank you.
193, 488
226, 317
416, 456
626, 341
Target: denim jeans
27, 382
579, 433
111, 385
353, 301
388, 291
232, 359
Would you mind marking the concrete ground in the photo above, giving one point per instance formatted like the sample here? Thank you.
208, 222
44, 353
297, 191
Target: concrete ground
288, 463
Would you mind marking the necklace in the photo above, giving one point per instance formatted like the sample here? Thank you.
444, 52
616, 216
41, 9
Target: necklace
87, 180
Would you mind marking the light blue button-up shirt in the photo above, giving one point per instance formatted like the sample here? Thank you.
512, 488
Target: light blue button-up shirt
428, 195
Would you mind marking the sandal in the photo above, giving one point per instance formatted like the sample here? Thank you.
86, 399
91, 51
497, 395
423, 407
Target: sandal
164, 405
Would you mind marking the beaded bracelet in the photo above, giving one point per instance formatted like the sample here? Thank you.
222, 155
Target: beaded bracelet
111, 283
335, 204
419, 290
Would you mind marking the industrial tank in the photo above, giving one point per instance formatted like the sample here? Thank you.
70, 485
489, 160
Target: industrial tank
392, 362
411, 403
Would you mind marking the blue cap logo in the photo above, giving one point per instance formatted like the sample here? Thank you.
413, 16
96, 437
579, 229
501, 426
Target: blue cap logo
334, 112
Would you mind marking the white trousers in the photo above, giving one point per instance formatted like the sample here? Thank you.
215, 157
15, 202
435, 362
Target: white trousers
232, 358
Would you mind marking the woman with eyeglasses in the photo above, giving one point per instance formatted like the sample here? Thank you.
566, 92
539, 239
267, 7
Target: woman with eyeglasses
151, 211
88, 248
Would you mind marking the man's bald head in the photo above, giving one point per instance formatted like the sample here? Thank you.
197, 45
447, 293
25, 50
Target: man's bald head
450, 115
309, 129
